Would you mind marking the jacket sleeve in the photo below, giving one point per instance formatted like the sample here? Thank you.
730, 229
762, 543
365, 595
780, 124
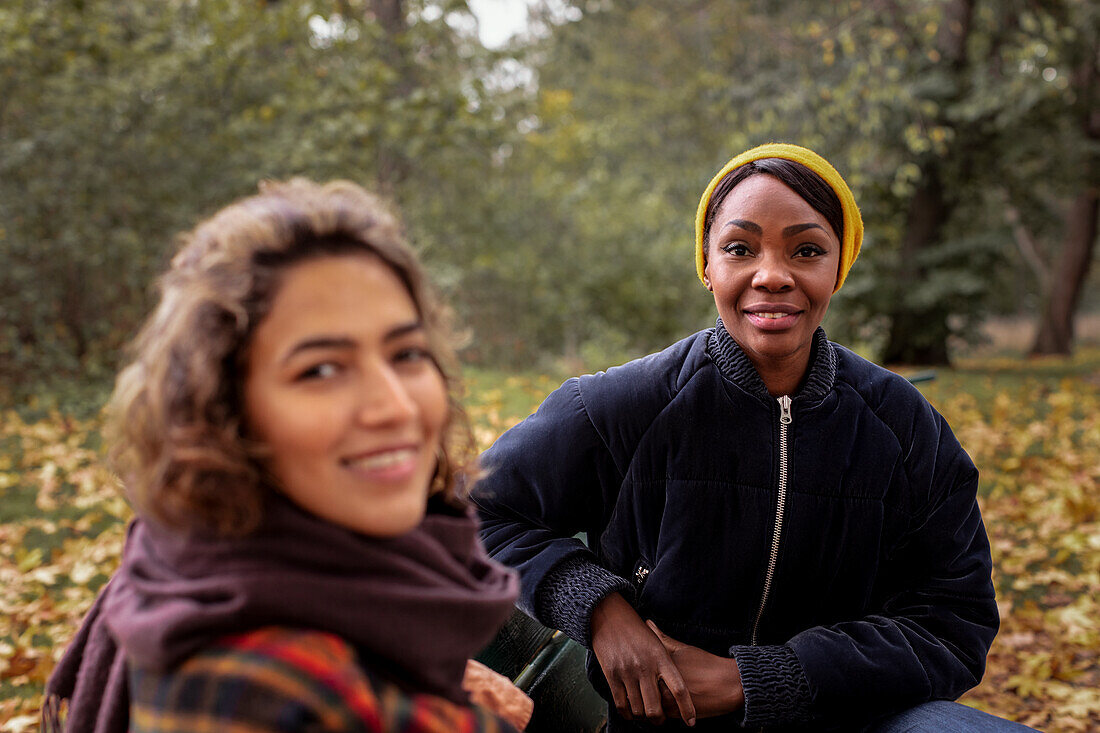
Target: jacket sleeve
934, 617
550, 478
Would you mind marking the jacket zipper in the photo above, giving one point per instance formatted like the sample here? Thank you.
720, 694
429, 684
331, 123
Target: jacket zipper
780, 504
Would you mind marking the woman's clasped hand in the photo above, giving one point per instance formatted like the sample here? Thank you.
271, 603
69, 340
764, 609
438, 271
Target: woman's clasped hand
713, 681
654, 677
640, 671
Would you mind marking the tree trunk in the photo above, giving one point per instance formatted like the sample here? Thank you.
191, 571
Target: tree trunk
920, 336
1055, 334
393, 167
390, 15
74, 311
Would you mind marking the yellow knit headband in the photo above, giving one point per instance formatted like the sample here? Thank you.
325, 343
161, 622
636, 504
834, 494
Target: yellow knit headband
853, 222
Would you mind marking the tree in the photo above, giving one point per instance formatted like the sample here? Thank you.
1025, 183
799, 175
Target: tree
1062, 288
650, 117
122, 124
556, 210
918, 332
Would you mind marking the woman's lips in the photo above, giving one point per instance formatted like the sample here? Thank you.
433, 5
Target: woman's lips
387, 465
774, 318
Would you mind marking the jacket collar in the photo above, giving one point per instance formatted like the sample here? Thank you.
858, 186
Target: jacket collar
735, 366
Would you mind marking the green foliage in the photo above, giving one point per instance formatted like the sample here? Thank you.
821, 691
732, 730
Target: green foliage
626, 134
557, 215
122, 124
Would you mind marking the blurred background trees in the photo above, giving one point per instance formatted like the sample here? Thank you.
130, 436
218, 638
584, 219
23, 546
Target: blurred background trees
552, 184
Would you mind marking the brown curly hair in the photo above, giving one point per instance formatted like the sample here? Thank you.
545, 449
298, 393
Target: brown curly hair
175, 418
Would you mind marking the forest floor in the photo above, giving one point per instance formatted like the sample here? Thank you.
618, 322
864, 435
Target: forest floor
1031, 426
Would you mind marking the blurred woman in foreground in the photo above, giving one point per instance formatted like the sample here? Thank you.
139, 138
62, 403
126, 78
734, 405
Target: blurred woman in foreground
304, 557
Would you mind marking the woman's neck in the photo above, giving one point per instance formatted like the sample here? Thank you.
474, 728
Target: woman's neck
782, 376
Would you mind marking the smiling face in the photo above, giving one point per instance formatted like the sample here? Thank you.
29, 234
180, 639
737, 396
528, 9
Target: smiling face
772, 263
343, 391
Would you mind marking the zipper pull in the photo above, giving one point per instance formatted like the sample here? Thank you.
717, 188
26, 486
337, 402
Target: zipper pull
785, 410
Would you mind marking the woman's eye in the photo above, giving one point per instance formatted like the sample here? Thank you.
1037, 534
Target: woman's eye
809, 250
324, 370
413, 355
737, 249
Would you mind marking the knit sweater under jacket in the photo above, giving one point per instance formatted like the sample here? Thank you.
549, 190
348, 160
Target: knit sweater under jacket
835, 549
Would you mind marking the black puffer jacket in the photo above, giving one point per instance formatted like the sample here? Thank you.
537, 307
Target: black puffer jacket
833, 547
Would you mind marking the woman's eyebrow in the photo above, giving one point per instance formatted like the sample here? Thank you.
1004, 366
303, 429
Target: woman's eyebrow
320, 342
403, 329
799, 228
748, 226
346, 342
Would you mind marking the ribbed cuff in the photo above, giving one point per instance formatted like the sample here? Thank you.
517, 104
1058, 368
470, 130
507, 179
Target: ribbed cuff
570, 592
775, 686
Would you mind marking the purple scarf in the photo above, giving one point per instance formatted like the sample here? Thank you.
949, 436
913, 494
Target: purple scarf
418, 605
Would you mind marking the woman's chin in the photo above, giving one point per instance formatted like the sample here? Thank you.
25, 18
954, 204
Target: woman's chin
381, 518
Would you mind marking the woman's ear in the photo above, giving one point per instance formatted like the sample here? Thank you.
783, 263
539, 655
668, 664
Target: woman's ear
706, 267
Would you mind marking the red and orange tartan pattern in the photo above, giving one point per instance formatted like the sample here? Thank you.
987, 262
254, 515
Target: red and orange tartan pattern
282, 679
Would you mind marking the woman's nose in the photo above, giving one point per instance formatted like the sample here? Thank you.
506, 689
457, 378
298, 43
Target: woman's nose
772, 274
384, 398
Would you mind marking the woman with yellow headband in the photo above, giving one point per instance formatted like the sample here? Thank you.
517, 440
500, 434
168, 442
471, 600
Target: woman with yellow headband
779, 533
